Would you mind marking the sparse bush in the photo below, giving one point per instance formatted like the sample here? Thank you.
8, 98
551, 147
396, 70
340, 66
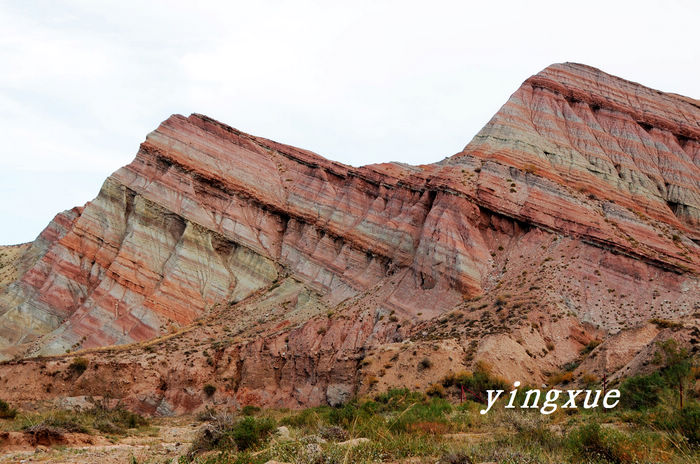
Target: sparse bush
436, 390
686, 422
78, 366
561, 378
212, 435
333, 433
250, 432
533, 429
112, 420
590, 347
52, 424
7, 412
425, 363
456, 457
58, 422
208, 414
45, 433
223, 433
475, 384
307, 418
456, 379
665, 323
589, 379
250, 410
591, 442
209, 390
398, 397
571, 366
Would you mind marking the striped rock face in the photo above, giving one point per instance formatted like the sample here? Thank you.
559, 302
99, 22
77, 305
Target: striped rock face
575, 212
604, 136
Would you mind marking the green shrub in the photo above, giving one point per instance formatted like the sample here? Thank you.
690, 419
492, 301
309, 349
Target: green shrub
307, 418
689, 423
250, 410
224, 434
475, 384
398, 398
595, 444
432, 411
540, 435
590, 347
685, 421
59, 422
107, 426
641, 392
6, 412
347, 414
425, 363
665, 323
119, 418
249, 432
571, 366
676, 367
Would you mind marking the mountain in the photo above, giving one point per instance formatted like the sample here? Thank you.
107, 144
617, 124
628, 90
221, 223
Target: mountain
285, 279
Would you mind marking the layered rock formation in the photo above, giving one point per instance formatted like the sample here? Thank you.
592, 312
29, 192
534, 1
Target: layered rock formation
574, 214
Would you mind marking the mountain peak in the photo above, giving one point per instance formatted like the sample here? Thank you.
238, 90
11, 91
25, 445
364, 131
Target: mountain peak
603, 135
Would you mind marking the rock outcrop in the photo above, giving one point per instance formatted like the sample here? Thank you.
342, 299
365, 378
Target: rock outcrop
217, 256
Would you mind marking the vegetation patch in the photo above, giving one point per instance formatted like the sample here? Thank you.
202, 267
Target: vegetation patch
78, 366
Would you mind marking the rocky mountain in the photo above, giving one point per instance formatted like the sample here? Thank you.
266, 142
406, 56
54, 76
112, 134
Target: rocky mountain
285, 279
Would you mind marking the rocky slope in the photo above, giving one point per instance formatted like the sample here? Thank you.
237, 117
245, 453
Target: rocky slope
283, 278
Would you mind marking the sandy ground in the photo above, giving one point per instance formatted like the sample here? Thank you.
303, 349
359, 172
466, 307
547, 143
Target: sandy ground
167, 440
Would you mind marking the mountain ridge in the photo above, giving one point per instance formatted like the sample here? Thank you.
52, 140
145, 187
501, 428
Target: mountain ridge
278, 273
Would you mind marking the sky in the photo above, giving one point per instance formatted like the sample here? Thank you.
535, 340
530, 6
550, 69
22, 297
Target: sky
360, 82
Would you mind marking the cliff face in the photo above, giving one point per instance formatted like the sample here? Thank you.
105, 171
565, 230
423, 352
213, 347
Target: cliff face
220, 256
609, 138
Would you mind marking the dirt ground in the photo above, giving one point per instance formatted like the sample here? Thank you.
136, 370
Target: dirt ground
162, 443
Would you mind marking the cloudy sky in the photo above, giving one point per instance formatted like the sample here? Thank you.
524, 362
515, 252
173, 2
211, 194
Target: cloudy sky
83, 82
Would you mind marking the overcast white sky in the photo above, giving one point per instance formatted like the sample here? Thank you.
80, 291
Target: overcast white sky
83, 82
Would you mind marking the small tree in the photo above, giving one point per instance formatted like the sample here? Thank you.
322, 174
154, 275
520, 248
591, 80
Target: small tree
642, 391
676, 364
